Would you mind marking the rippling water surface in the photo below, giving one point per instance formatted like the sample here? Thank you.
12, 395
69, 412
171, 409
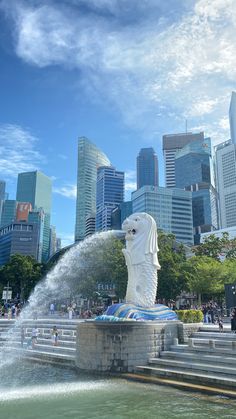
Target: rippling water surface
34, 391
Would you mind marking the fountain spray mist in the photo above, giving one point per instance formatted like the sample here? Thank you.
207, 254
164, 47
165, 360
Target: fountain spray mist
60, 283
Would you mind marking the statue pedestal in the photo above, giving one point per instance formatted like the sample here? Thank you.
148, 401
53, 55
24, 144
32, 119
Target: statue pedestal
121, 346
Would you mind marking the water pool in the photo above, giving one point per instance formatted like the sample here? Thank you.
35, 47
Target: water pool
36, 391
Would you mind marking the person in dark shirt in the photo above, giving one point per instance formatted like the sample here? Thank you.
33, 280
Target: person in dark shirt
233, 320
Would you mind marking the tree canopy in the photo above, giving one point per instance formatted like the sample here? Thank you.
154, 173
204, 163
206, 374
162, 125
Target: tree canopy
22, 273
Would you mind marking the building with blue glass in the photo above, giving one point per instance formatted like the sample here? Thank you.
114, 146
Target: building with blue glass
2, 196
38, 217
21, 238
89, 159
147, 168
171, 209
194, 173
120, 213
8, 212
110, 193
36, 188
172, 143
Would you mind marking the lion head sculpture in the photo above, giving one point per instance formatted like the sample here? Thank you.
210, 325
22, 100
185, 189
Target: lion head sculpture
141, 237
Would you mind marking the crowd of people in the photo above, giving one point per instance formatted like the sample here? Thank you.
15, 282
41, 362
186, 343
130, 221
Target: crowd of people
10, 310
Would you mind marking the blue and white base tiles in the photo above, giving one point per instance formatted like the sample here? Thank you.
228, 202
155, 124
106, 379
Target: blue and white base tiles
119, 312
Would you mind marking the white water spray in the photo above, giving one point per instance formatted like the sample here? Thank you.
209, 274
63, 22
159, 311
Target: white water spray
57, 285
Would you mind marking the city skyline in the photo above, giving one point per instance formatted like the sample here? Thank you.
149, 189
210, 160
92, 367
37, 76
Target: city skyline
70, 69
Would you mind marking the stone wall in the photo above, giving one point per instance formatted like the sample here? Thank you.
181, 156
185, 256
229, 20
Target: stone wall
121, 346
185, 330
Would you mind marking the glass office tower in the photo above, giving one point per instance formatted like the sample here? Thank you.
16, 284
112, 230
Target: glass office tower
147, 168
172, 143
89, 159
2, 196
171, 209
36, 188
8, 212
194, 172
110, 193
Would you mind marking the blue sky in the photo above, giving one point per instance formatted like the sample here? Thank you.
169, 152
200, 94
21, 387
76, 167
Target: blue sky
121, 72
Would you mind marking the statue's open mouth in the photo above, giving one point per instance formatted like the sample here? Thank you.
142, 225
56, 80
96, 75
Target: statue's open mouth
133, 231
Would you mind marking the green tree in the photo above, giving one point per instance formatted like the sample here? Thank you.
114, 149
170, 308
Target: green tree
171, 277
213, 247
204, 275
103, 264
22, 273
229, 267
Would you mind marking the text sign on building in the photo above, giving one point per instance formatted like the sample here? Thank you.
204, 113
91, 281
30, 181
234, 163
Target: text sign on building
7, 294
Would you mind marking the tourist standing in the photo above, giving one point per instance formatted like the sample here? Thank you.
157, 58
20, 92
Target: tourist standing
34, 336
54, 336
52, 308
70, 312
220, 323
233, 320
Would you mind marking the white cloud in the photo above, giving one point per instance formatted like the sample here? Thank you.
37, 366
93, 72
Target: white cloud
68, 191
18, 152
62, 156
186, 65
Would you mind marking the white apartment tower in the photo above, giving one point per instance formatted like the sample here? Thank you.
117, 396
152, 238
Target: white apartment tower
232, 117
226, 182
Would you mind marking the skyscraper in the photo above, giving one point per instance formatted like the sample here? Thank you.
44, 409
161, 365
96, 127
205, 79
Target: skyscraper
8, 212
171, 144
226, 182
89, 159
36, 188
21, 238
171, 209
110, 193
147, 168
194, 172
232, 117
2, 196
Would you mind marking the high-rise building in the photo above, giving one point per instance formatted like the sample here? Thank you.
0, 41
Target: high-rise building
38, 217
8, 212
232, 117
2, 196
110, 193
194, 172
120, 213
36, 188
90, 224
22, 211
147, 168
225, 154
89, 159
171, 209
172, 143
21, 238
58, 244
53, 241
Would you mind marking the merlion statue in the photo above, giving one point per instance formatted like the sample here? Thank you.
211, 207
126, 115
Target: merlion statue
142, 264
141, 259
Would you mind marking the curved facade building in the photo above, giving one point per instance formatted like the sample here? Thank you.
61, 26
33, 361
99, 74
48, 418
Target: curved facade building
89, 159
